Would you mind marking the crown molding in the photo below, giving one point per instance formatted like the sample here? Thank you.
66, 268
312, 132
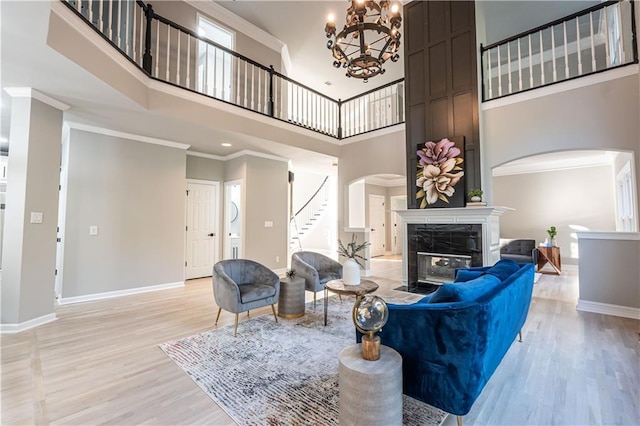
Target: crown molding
124, 135
551, 166
378, 181
255, 154
240, 24
28, 92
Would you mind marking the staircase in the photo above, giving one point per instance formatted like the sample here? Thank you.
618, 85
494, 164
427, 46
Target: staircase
303, 221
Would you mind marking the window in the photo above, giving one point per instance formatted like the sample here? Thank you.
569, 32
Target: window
214, 64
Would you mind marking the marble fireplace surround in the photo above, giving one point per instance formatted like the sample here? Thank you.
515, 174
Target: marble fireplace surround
488, 217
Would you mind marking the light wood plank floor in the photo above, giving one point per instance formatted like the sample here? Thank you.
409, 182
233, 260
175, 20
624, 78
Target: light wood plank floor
99, 363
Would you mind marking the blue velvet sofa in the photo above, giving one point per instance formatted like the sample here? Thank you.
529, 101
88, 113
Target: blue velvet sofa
452, 340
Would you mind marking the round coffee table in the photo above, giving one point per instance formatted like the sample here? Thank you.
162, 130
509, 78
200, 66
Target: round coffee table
338, 286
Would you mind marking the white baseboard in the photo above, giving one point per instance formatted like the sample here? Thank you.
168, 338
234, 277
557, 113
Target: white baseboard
607, 309
110, 294
17, 328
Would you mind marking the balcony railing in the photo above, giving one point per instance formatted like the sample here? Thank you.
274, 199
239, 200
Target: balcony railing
593, 40
171, 53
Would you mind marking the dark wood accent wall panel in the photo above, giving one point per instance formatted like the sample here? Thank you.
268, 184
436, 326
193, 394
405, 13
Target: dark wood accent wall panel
441, 82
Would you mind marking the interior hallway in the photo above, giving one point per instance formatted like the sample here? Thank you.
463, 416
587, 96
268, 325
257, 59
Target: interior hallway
100, 363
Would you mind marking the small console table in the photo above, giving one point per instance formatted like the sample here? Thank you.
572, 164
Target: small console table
291, 299
550, 255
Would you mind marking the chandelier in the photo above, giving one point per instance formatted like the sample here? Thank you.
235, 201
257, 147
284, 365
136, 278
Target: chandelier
369, 38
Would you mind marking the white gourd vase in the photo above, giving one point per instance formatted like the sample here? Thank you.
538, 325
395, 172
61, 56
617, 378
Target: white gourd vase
351, 272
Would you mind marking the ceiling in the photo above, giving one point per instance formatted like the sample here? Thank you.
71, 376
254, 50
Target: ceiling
303, 33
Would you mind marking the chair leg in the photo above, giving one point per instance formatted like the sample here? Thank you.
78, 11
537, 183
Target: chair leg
235, 328
314, 300
459, 419
247, 313
520, 336
273, 308
218, 316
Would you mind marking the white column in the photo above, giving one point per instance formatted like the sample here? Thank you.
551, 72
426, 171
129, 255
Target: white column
31, 218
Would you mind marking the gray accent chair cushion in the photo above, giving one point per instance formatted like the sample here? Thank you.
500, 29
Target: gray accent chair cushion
316, 269
519, 250
240, 285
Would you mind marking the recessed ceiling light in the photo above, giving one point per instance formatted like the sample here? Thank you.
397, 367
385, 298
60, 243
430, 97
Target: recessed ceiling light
328, 83
225, 144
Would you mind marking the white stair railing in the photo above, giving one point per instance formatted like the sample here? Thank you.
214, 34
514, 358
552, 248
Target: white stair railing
301, 223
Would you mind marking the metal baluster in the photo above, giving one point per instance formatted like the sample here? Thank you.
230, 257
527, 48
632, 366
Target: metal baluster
266, 91
530, 63
489, 73
100, 15
566, 52
119, 25
224, 80
237, 59
90, 10
142, 27
157, 48
541, 60
606, 37
127, 23
205, 71
593, 47
110, 19
178, 59
553, 54
578, 44
499, 74
214, 73
245, 85
168, 51
188, 82
509, 66
519, 67
79, 5
133, 31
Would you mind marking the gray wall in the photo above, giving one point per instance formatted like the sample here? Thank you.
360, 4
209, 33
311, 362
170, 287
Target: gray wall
601, 116
610, 272
581, 197
205, 168
187, 16
135, 193
266, 199
383, 154
29, 260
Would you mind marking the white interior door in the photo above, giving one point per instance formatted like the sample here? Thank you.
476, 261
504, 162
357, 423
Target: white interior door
376, 223
202, 230
398, 202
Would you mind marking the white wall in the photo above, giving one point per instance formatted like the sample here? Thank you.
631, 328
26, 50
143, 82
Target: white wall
135, 193
357, 202
570, 200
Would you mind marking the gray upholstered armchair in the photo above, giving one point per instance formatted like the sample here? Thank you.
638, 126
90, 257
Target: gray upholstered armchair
240, 285
316, 269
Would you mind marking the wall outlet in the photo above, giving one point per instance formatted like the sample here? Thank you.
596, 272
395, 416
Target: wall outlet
268, 224
36, 217
93, 230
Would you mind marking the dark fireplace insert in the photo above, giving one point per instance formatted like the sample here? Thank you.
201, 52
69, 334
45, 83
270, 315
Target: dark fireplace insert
435, 251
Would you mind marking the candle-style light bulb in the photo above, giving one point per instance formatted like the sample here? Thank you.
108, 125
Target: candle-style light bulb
331, 17
394, 8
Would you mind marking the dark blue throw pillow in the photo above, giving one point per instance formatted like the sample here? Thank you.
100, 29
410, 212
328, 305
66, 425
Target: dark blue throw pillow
465, 291
503, 269
467, 275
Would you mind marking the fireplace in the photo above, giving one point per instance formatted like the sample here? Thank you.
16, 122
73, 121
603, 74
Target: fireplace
439, 241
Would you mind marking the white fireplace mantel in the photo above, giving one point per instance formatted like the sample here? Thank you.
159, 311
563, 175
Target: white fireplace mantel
488, 217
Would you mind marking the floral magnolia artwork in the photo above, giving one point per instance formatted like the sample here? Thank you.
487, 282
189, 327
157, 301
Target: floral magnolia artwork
439, 171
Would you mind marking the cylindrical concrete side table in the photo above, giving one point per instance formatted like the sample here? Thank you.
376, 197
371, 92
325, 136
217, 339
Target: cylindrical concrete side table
370, 391
291, 299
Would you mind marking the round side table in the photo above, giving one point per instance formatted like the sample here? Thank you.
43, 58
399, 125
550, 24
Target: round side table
291, 299
370, 391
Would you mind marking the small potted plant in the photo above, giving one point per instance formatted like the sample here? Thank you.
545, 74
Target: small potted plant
552, 232
475, 195
351, 267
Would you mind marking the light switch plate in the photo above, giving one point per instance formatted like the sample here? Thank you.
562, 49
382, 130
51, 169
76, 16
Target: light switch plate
36, 217
268, 224
93, 230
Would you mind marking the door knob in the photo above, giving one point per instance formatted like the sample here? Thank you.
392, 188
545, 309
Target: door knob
211, 234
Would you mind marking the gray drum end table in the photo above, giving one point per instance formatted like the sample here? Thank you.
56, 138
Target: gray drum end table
291, 299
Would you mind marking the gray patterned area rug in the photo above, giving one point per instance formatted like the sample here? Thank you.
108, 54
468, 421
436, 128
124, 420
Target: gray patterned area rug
280, 374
